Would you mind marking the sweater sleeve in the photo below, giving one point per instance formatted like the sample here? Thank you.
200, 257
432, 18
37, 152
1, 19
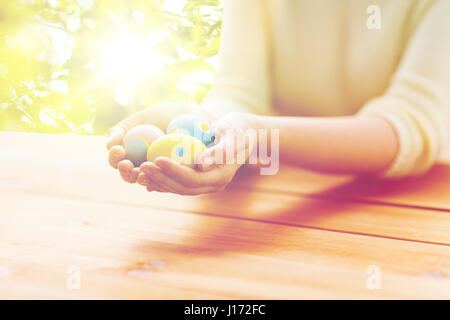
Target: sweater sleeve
242, 81
417, 102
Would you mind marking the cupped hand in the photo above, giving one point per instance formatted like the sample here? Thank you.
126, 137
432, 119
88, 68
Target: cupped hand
159, 116
216, 167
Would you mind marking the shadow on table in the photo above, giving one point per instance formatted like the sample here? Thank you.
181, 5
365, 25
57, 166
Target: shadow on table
238, 234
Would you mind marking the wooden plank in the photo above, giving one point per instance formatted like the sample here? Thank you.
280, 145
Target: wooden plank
46, 178
431, 191
381, 221
77, 169
83, 152
198, 256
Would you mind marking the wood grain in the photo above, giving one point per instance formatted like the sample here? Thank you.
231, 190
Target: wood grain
84, 174
201, 257
294, 235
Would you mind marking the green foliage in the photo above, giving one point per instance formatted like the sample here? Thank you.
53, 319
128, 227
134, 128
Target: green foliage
52, 65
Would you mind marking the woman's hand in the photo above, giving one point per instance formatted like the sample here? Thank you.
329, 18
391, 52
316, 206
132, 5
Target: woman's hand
159, 116
216, 167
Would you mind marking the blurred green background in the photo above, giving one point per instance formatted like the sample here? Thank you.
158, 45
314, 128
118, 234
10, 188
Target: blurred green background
80, 66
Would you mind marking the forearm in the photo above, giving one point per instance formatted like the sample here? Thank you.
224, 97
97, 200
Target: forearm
355, 145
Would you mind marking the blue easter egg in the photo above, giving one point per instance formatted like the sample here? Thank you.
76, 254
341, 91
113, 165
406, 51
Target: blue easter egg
136, 150
193, 126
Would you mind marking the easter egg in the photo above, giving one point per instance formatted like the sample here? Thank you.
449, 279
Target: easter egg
193, 126
137, 140
179, 147
146, 131
136, 150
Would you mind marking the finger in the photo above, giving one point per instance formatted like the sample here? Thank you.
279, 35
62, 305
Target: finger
143, 180
116, 133
116, 154
211, 158
155, 187
125, 168
229, 150
191, 178
157, 176
153, 176
146, 182
220, 127
147, 178
184, 175
134, 175
114, 137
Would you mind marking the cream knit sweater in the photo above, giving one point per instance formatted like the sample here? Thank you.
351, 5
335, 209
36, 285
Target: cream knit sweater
329, 58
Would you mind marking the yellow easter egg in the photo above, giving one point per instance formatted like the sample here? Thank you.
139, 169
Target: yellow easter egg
179, 147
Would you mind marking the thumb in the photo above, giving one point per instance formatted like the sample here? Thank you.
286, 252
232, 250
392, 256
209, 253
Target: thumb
115, 134
218, 154
114, 137
207, 160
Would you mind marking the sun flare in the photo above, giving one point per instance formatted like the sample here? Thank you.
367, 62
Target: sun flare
128, 58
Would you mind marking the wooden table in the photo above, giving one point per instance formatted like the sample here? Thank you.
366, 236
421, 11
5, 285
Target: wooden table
66, 218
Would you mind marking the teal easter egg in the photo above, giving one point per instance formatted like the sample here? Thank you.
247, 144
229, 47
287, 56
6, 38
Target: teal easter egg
193, 126
137, 140
136, 150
